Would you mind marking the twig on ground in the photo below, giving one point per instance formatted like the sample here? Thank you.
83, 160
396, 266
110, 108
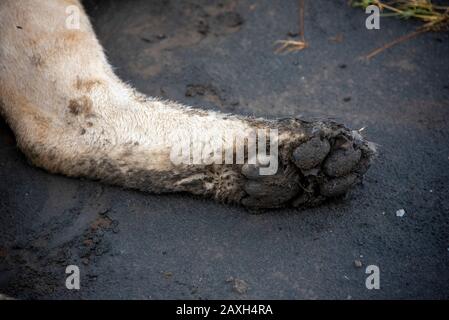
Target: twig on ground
435, 17
287, 46
393, 43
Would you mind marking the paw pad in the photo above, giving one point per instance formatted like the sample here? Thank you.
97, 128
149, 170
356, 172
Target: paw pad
311, 153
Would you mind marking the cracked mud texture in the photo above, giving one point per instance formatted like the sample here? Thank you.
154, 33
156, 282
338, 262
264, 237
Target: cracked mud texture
126, 243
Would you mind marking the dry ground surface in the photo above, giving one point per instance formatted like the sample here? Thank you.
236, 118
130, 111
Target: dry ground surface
220, 55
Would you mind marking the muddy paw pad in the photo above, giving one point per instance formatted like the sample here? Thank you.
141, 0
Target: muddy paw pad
342, 161
311, 153
268, 191
338, 186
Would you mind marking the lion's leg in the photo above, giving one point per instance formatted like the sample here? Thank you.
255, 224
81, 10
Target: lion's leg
71, 115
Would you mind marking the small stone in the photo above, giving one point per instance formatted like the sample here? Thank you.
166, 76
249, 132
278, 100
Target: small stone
400, 213
238, 285
357, 263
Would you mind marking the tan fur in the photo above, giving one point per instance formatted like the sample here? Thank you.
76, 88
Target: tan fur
85, 121
73, 116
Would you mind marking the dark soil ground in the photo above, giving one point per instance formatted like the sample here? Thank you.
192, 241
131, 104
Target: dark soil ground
220, 55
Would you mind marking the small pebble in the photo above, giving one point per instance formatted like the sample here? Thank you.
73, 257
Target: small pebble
400, 213
239, 286
357, 263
